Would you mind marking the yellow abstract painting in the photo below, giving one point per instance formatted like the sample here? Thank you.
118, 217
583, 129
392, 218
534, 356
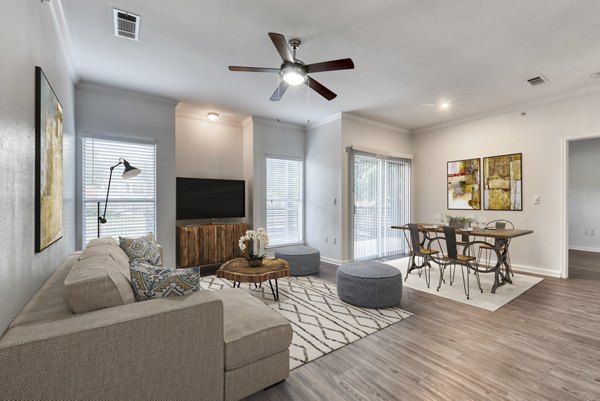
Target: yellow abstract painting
502, 181
49, 164
464, 191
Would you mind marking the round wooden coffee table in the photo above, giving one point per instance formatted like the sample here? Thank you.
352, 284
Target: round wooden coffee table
238, 271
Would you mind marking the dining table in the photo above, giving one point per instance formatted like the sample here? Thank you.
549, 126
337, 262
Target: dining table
501, 240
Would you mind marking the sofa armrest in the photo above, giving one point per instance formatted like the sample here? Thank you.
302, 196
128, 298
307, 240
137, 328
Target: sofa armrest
161, 349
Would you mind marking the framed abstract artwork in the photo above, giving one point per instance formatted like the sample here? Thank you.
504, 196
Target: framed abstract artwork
464, 190
48, 164
503, 182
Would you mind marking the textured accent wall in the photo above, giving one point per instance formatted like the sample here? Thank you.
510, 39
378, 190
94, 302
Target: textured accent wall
28, 38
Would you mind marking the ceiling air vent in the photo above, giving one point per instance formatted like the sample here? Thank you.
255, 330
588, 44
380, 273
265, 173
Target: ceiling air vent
537, 80
127, 25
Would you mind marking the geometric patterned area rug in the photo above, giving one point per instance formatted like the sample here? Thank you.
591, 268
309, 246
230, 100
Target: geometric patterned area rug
322, 323
455, 292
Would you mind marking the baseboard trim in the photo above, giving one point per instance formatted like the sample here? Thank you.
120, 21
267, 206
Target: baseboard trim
536, 270
583, 248
336, 262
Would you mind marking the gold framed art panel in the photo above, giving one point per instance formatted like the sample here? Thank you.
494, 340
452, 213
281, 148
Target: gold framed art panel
464, 189
48, 164
503, 182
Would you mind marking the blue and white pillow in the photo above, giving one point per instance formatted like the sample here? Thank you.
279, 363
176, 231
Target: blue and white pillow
150, 282
144, 249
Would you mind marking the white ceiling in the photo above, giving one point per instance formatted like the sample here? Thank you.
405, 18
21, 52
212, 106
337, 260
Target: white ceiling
409, 54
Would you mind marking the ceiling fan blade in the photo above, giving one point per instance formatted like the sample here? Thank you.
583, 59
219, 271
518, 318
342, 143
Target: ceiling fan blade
282, 47
252, 69
279, 91
320, 89
332, 65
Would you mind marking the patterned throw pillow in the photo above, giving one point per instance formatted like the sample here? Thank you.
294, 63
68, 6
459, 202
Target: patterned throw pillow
143, 249
150, 282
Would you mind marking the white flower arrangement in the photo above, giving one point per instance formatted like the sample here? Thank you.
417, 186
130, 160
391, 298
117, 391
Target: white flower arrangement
259, 239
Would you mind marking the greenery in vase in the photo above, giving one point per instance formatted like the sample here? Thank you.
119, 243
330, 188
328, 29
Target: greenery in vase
258, 240
466, 221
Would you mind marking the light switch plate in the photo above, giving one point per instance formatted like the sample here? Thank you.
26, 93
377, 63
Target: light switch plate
536, 199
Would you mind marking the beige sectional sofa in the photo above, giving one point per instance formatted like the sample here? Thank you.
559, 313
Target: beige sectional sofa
211, 345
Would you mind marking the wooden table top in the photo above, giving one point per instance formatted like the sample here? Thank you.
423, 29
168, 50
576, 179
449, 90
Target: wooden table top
238, 270
502, 233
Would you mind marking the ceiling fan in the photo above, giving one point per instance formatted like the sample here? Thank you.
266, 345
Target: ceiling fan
295, 72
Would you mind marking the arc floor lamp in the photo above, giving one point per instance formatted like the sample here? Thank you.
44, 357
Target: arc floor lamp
128, 172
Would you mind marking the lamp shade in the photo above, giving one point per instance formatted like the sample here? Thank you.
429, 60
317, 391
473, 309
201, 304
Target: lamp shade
130, 171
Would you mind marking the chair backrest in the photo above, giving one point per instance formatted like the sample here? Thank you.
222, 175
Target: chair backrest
451, 248
415, 240
500, 224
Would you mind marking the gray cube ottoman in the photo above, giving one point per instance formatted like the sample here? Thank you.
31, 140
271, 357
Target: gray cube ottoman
303, 260
369, 284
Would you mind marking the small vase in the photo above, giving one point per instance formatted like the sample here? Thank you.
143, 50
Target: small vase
254, 262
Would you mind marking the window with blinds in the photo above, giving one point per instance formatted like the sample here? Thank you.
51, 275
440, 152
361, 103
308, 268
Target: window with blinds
131, 207
285, 201
381, 191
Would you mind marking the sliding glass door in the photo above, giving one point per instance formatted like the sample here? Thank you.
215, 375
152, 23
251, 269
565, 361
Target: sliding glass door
380, 190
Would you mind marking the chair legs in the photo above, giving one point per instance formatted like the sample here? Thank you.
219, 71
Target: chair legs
465, 285
465, 279
425, 267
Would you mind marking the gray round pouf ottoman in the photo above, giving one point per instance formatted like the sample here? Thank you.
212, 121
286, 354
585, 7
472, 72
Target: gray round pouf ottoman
303, 260
369, 284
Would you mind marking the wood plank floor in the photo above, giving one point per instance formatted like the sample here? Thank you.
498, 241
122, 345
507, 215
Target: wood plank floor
544, 345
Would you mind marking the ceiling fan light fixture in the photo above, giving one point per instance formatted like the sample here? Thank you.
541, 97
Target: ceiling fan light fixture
293, 75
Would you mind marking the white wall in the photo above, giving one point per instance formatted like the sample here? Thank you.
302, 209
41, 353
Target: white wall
323, 183
363, 133
539, 135
109, 113
584, 194
207, 149
248, 154
27, 39
274, 138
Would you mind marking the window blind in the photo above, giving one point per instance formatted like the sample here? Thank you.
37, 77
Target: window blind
285, 201
131, 207
381, 191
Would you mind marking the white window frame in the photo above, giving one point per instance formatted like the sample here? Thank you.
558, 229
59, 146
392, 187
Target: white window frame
116, 176
303, 198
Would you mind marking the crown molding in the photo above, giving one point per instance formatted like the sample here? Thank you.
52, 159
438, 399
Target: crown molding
517, 107
107, 90
221, 120
246, 122
64, 37
324, 121
375, 123
277, 124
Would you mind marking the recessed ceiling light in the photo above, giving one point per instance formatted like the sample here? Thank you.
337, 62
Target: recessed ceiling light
596, 75
213, 116
444, 106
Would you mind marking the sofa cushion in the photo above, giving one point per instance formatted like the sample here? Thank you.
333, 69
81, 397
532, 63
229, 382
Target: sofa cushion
48, 302
252, 330
111, 249
102, 241
97, 283
150, 282
142, 249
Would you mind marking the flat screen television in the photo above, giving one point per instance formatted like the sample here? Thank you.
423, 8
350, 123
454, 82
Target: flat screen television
203, 198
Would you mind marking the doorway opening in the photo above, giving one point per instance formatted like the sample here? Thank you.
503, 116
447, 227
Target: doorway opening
582, 208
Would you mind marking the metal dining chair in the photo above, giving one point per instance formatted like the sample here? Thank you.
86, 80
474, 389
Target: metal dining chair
498, 225
453, 258
417, 250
